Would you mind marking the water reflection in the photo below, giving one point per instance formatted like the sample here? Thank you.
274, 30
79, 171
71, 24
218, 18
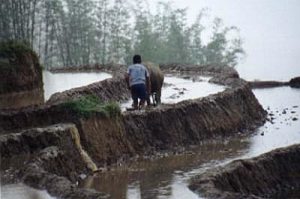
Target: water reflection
21, 191
53, 82
168, 177
58, 82
283, 129
165, 177
180, 89
177, 89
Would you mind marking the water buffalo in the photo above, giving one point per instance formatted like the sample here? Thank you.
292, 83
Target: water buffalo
156, 81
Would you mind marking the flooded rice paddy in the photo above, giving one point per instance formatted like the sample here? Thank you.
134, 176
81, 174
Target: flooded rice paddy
168, 177
58, 82
176, 89
53, 82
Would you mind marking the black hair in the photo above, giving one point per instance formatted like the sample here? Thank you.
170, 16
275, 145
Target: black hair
137, 59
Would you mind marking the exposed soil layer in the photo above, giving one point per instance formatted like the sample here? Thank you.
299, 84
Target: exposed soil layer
55, 161
193, 121
163, 128
21, 99
267, 84
110, 140
116, 88
295, 82
217, 71
264, 176
20, 68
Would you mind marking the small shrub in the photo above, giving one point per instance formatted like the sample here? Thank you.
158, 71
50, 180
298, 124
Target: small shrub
13, 48
12, 53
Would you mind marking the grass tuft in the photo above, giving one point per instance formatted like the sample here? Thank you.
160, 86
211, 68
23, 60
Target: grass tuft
88, 105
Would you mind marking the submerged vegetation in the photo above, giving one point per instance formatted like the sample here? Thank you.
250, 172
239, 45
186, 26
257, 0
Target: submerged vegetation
87, 105
82, 32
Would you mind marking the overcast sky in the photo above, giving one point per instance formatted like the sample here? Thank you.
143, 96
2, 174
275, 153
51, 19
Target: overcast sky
270, 29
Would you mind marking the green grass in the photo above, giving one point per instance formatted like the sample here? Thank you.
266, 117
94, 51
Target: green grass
14, 47
88, 105
13, 50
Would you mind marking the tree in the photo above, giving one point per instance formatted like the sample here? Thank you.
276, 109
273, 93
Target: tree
220, 50
17, 20
119, 29
82, 32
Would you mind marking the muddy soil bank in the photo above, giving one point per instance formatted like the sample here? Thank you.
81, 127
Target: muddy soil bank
137, 133
194, 121
295, 82
114, 68
20, 68
21, 99
54, 160
176, 68
116, 88
170, 127
166, 127
265, 176
209, 70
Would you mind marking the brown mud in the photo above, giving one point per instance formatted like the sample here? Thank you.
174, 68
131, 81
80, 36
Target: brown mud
267, 176
109, 141
267, 84
48, 154
22, 99
294, 83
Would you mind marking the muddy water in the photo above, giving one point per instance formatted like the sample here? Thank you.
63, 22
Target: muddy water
10, 188
168, 177
177, 89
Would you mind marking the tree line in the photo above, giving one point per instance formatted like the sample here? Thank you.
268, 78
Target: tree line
83, 32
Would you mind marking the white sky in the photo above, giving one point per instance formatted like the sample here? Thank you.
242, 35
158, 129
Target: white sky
270, 29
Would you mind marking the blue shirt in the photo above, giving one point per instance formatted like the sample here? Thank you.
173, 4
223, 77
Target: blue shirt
137, 74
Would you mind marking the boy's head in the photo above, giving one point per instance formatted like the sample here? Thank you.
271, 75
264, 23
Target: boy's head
137, 59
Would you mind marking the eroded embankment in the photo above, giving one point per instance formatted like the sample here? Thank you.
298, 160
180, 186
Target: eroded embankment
163, 128
211, 70
170, 127
265, 176
194, 121
167, 127
51, 153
